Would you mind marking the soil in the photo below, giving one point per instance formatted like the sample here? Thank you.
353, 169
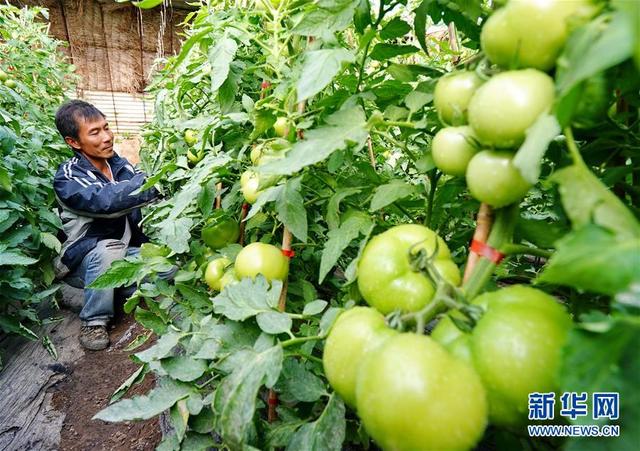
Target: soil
88, 388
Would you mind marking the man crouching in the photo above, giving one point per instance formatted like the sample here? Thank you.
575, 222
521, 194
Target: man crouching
99, 214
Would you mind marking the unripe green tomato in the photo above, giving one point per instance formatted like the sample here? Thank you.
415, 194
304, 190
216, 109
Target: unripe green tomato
255, 154
3, 76
220, 230
229, 278
517, 349
356, 332
452, 96
412, 395
594, 102
386, 278
249, 183
10, 83
150, 250
452, 148
262, 258
456, 342
493, 179
214, 272
508, 104
281, 126
194, 158
190, 137
531, 33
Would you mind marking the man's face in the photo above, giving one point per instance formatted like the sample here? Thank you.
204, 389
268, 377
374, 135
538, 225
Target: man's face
95, 139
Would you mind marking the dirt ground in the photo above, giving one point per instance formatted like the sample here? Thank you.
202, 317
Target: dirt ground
88, 388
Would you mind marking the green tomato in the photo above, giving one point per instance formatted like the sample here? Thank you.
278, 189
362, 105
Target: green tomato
249, 184
452, 148
531, 33
262, 258
150, 250
355, 333
215, 271
504, 108
281, 126
194, 157
190, 137
385, 276
452, 95
3, 76
493, 179
595, 99
516, 348
229, 278
453, 339
220, 230
10, 83
412, 395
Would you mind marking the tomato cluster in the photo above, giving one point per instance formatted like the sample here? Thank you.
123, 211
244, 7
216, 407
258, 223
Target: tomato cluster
251, 182
525, 38
439, 392
387, 278
253, 259
408, 391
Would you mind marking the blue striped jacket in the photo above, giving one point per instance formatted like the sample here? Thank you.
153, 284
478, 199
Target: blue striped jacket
93, 208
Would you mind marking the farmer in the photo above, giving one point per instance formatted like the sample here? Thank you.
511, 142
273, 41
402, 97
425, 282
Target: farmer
99, 213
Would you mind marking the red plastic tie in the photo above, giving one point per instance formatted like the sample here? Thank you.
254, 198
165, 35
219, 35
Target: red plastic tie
484, 250
265, 85
272, 400
288, 253
245, 206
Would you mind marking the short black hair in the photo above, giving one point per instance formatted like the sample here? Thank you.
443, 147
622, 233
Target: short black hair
68, 115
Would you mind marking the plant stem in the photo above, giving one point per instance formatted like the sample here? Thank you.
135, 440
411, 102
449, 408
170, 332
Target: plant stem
573, 148
433, 177
501, 234
298, 340
520, 249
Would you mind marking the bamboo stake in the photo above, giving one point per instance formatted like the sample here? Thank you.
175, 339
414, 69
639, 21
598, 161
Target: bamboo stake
484, 221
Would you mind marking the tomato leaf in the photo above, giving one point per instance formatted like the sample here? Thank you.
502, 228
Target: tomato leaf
290, 209
384, 51
319, 67
395, 29
220, 57
150, 320
274, 322
344, 128
605, 361
297, 383
184, 368
586, 200
235, 397
248, 298
121, 273
389, 193
362, 16
161, 398
147, 4
592, 48
326, 433
420, 23
333, 218
594, 259
175, 232
528, 159
329, 16
339, 239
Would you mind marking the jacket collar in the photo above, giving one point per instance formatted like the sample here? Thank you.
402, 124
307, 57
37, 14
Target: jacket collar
115, 162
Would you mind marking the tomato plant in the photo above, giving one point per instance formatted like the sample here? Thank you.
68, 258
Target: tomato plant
34, 78
358, 206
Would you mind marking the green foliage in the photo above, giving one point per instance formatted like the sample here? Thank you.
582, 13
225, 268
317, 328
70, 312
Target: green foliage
355, 84
31, 150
